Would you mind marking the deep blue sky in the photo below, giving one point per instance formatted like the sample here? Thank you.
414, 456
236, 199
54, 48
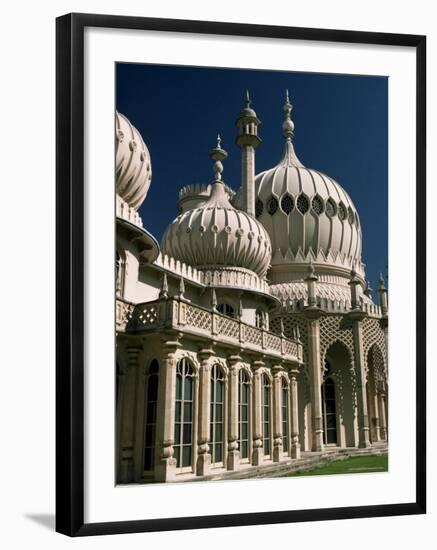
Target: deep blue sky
341, 129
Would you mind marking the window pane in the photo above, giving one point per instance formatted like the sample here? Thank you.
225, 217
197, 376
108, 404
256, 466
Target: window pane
186, 456
178, 411
187, 412
177, 433
188, 388
177, 454
187, 433
178, 387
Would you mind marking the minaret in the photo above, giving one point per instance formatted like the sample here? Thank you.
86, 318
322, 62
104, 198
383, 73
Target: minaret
248, 140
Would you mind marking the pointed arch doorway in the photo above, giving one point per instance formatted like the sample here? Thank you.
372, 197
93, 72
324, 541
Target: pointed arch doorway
338, 398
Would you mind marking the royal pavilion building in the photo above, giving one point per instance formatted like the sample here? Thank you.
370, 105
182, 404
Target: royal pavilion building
248, 339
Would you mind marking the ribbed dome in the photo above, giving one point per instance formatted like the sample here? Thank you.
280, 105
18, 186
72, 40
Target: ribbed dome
133, 167
306, 212
217, 235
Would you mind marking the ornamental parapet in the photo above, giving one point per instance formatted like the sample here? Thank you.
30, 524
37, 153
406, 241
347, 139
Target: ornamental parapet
123, 313
126, 212
333, 306
189, 319
234, 277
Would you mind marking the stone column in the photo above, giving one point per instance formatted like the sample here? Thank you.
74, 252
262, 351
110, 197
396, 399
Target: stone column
294, 432
374, 411
233, 458
165, 468
363, 416
248, 176
314, 364
258, 452
128, 402
203, 464
277, 414
383, 416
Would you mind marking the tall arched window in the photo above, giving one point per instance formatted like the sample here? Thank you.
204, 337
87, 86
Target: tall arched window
285, 415
184, 409
266, 402
216, 432
150, 415
329, 409
226, 309
243, 413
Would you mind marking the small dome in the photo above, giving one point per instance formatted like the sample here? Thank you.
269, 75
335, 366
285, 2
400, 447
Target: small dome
133, 166
216, 236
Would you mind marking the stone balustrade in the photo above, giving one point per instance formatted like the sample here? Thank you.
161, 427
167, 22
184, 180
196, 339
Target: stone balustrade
333, 306
182, 316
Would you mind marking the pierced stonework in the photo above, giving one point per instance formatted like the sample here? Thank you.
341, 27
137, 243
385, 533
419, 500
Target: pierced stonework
272, 205
342, 214
303, 204
259, 208
331, 209
317, 205
287, 203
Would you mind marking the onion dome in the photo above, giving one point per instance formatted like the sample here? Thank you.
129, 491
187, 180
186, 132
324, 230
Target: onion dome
308, 216
216, 236
133, 167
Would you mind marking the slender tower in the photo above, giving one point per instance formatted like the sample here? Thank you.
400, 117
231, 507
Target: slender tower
248, 140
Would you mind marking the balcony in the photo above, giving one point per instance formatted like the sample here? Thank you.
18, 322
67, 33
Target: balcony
181, 316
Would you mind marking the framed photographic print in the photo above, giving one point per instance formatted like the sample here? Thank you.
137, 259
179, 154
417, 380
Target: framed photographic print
240, 274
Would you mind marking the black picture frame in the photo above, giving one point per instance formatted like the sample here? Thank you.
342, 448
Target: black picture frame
70, 273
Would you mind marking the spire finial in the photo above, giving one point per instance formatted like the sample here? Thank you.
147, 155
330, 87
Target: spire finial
381, 281
288, 126
218, 154
213, 299
181, 288
163, 293
248, 100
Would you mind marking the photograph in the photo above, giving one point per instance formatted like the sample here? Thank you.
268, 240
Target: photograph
251, 274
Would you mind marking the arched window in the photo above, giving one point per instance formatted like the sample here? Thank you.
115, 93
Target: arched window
150, 415
285, 414
266, 393
226, 309
216, 432
329, 408
243, 413
184, 408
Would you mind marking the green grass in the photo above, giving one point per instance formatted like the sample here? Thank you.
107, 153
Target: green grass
351, 465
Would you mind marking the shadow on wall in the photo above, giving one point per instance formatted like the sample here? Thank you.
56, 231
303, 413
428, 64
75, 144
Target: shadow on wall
46, 520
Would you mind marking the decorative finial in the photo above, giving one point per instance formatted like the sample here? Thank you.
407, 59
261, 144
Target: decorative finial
163, 293
248, 100
288, 126
213, 299
181, 288
381, 281
368, 291
311, 272
218, 154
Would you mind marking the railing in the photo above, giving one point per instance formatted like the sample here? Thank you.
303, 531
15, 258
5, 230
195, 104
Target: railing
333, 306
123, 313
184, 317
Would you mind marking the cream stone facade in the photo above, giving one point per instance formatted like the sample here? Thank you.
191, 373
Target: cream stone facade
249, 336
